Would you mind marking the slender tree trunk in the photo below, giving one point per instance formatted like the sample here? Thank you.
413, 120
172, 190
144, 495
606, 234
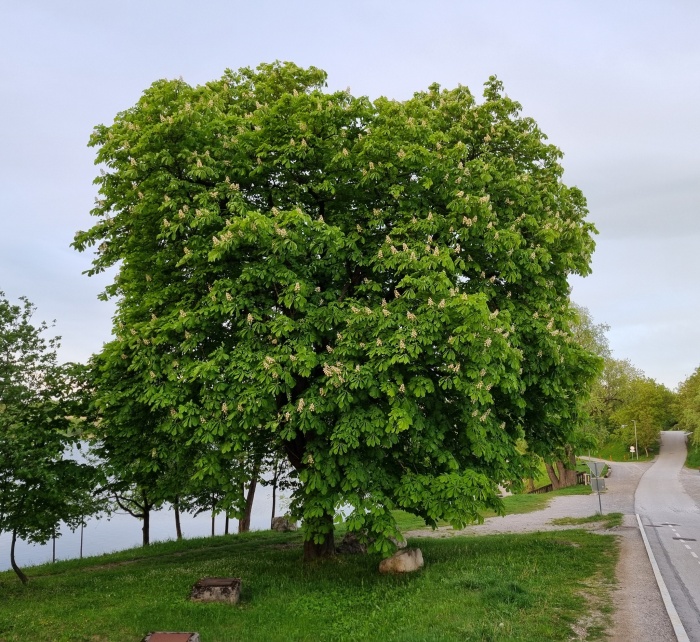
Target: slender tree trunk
326, 549
226, 524
244, 524
146, 528
23, 578
178, 528
274, 491
571, 470
213, 516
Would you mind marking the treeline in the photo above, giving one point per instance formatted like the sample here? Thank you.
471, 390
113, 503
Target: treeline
48, 411
688, 406
623, 398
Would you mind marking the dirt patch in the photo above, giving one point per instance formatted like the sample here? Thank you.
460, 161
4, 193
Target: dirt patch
599, 617
639, 611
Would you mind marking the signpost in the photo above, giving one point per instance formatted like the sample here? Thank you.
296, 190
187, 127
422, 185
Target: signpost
597, 482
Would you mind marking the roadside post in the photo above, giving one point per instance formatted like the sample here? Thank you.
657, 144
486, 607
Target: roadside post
597, 482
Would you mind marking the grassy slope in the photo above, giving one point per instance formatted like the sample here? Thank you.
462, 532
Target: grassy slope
525, 587
522, 587
693, 460
513, 504
616, 451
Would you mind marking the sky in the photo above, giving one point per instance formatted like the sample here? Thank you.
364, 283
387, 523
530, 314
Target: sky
613, 84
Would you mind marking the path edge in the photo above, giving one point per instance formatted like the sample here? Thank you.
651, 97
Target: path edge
678, 627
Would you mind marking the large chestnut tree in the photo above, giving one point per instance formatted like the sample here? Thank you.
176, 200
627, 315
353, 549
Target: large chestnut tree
377, 289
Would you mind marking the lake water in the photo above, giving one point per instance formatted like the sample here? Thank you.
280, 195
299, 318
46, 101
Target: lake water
122, 531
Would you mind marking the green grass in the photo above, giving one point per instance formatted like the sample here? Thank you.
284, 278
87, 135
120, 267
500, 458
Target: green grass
528, 503
617, 451
693, 460
611, 520
513, 504
509, 587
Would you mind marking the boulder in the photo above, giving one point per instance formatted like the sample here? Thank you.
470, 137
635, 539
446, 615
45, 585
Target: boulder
284, 524
351, 545
356, 543
406, 560
398, 543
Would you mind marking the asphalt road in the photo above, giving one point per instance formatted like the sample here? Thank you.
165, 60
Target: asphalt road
671, 520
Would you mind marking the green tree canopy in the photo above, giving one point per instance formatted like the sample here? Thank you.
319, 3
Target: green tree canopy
39, 402
689, 405
377, 289
649, 405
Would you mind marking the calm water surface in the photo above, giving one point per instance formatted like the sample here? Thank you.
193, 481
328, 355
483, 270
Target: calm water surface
122, 531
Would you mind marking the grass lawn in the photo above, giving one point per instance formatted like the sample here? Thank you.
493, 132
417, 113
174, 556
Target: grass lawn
611, 520
616, 451
693, 460
509, 587
514, 505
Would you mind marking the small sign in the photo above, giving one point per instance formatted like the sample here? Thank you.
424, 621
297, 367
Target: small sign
631, 449
597, 484
596, 467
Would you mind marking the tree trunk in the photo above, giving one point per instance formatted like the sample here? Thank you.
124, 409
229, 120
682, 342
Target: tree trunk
213, 515
553, 476
324, 528
178, 528
274, 491
244, 523
146, 528
571, 470
565, 474
226, 525
23, 578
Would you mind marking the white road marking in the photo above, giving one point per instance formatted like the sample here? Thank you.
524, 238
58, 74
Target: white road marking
678, 627
695, 555
688, 547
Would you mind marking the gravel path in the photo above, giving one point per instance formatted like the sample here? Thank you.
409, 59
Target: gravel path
639, 613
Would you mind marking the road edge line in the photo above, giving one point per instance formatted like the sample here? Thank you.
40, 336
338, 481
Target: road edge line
678, 628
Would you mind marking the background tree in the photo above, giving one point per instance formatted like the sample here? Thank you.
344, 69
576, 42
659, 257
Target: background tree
688, 400
609, 393
377, 289
652, 406
560, 464
40, 403
149, 466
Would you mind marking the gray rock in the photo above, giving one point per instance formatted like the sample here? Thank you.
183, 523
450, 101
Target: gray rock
351, 545
284, 524
398, 543
405, 561
354, 543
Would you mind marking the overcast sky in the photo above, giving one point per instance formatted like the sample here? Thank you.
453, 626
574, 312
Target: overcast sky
613, 84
